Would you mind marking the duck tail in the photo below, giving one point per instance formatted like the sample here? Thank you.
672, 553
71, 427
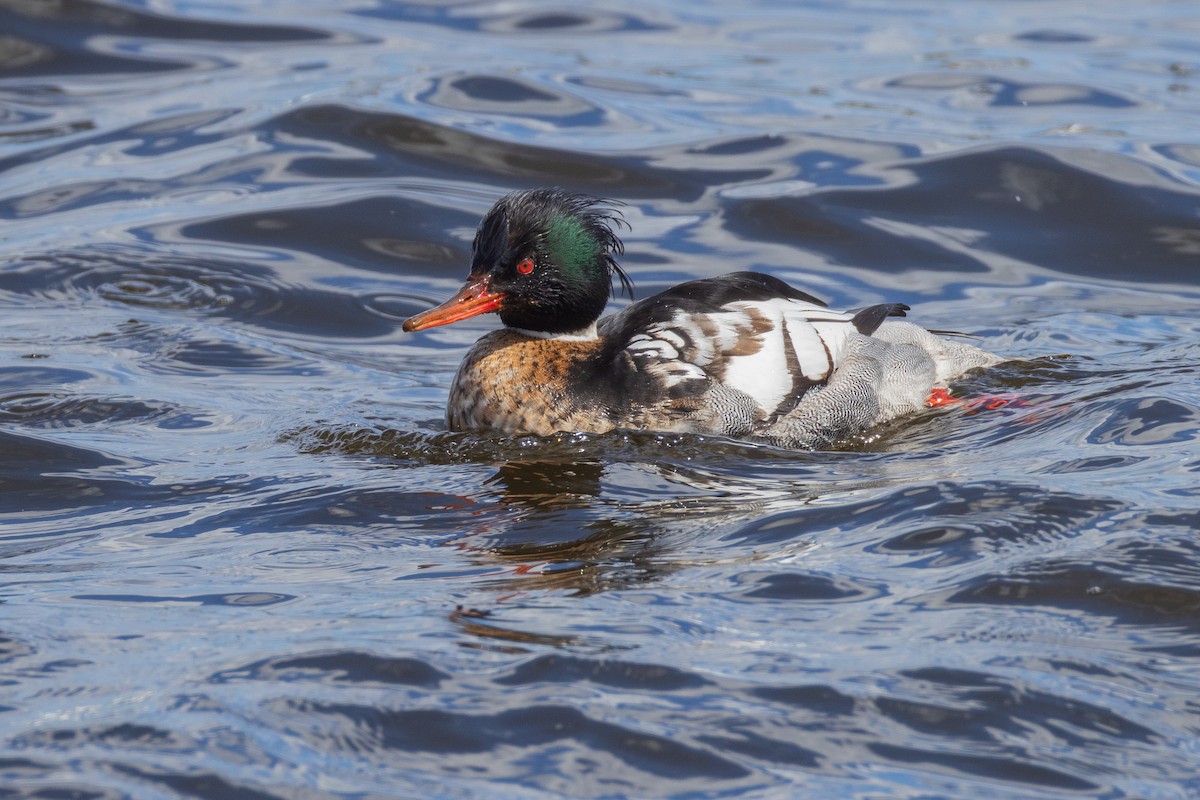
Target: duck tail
870, 318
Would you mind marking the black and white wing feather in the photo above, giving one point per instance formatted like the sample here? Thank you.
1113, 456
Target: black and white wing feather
745, 332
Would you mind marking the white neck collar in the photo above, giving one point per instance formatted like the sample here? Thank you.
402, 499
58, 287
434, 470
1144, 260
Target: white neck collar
583, 335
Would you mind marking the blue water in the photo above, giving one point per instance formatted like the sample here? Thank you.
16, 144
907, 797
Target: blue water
242, 558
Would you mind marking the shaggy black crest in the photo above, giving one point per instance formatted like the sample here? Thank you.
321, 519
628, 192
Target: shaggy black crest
571, 241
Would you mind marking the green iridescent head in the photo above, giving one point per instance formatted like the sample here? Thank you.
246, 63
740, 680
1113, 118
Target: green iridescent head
551, 255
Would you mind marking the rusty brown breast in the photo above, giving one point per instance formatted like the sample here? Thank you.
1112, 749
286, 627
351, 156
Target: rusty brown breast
513, 383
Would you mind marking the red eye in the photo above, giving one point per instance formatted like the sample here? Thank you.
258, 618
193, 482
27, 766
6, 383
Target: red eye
525, 266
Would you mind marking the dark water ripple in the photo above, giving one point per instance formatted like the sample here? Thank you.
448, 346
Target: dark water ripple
996, 91
515, 22
1025, 197
241, 557
57, 409
420, 149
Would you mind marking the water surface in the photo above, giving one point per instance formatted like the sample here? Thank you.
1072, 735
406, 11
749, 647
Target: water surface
242, 557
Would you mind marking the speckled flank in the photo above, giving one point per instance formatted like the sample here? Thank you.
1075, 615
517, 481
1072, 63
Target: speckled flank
514, 383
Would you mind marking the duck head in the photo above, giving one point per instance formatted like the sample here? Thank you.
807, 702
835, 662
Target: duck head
543, 259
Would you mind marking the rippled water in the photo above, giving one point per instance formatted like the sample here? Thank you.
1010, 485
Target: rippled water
242, 558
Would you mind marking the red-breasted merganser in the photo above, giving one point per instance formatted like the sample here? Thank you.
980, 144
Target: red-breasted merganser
742, 355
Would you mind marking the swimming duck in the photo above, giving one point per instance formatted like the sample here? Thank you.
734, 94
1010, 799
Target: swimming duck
742, 355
